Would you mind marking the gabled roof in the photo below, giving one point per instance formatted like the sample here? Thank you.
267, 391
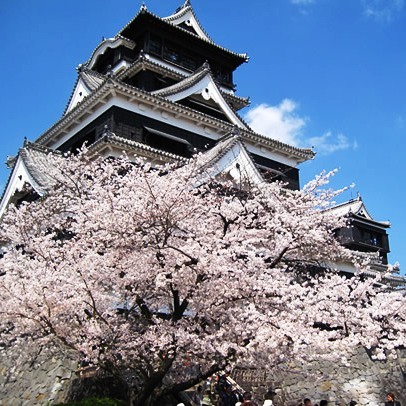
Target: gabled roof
201, 83
176, 20
356, 208
146, 62
113, 145
86, 82
108, 43
186, 15
112, 88
32, 168
230, 157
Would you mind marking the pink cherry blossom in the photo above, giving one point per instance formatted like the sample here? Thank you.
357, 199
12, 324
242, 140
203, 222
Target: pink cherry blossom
164, 276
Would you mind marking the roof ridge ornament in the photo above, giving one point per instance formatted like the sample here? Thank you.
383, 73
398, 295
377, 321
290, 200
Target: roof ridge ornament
184, 5
206, 65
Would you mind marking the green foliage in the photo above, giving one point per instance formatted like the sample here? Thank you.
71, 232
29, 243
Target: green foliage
95, 402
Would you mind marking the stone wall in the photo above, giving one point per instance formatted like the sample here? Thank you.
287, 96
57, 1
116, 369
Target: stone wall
43, 379
47, 380
361, 379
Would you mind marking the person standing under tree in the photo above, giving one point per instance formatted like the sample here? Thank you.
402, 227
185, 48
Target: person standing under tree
390, 400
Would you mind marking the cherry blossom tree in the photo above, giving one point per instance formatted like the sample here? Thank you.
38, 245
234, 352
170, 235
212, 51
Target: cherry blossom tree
162, 276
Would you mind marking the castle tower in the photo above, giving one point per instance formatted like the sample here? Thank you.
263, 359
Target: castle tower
161, 88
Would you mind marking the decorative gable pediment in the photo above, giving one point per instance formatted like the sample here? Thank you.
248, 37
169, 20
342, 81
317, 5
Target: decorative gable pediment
87, 82
356, 209
106, 44
79, 93
18, 184
32, 172
201, 84
230, 158
185, 18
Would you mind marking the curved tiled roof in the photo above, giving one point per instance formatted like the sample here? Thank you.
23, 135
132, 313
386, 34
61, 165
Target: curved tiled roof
114, 42
223, 146
143, 61
143, 10
113, 85
92, 79
356, 207
185, 83
183, 10
112, 139
35, 158
194, 79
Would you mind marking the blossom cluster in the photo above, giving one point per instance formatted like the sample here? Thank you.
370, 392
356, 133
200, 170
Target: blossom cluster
158, 276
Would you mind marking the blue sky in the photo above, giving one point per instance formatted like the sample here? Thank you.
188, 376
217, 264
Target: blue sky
323, 73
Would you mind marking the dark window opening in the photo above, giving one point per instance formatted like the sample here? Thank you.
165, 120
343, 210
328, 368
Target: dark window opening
167, 142
155, 45
172, 54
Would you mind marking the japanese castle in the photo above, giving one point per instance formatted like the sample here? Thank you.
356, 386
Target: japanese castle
162, 89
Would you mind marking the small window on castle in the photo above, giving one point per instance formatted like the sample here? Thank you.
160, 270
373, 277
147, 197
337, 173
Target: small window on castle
171, 54
376, 239
155, 45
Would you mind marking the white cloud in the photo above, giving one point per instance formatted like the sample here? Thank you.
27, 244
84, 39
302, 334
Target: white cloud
277, 122
327, 143
282, 123
382, 10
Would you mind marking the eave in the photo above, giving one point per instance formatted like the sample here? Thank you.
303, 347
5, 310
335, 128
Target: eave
144, 62
30, 168
112, 145
201, 82
368, 222
144, 13
109, 43
113, 88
